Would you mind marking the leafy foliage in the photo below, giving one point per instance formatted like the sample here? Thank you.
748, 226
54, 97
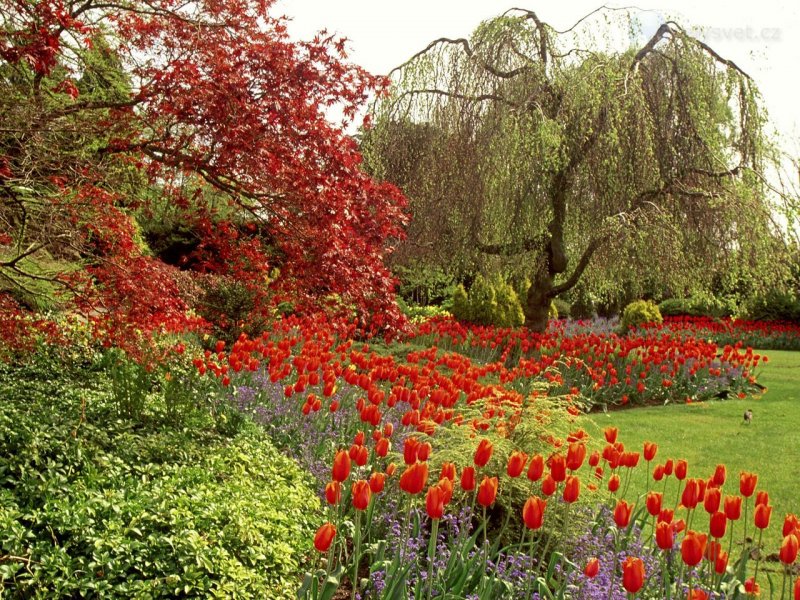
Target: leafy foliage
638, 313
489, 302
701, 305
94, 504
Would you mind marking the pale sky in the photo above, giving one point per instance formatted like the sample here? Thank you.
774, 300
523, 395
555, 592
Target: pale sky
763, 37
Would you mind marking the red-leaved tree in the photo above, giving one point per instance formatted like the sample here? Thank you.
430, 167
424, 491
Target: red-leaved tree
200, 126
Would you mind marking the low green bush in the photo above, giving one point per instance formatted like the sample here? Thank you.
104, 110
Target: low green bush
488, 302
777, 305
698, 306
638, 313
96, 504
562, 308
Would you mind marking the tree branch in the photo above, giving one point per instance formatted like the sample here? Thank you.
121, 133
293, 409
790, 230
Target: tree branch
584, 261
514, 248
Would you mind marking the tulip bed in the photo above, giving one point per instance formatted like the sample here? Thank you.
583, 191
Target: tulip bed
450, 477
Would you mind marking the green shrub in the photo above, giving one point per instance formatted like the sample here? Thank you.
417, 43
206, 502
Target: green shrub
562, 308
698, 306
583, 306
232, 307
552, 312
417, 314
776, 305
97, 505
423, 285
488, 303
638, 313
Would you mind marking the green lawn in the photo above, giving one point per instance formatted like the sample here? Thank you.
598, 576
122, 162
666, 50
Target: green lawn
710, 433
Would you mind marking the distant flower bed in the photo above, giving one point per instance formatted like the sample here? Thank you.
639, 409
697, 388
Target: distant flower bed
765, 335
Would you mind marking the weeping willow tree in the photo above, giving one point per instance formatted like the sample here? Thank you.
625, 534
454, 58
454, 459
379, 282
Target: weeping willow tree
569, 160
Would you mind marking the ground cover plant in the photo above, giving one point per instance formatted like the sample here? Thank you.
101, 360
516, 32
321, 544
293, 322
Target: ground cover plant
95, 503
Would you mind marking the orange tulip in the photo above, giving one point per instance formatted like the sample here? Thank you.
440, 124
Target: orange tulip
762, 515
718, 524
536, 467
653, 503
361, 494
789, 547
533, 512
697, 595
447, 490
377, 482
483, 452
382, 447
747, 483
324, 537
424, 451
576, 454
390, 469
434, 502
468, 479
414, 478
622, 513
733, 507
712, 500
516, 463
650, 450
632, 574
487, 491
410, 446
341, 466
751, 588
572, 489
592, 568
693, 547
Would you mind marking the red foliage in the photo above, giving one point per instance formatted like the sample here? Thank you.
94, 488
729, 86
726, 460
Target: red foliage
222, 97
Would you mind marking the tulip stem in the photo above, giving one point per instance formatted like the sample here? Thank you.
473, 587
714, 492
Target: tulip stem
431, 555
758, 560
783, 584
356, 553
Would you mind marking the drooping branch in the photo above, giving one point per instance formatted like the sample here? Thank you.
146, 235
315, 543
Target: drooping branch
515, 248
583, 262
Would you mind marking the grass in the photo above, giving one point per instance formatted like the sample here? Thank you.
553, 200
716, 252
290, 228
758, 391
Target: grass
710, 433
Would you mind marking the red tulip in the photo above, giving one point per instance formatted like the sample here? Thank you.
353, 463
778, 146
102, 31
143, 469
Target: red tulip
718, 524
414, 478
434, 502
691, 494
681, 469
613, 483
790, 524
650, 450
483, 453
533, 512
622, 513
361, 494
424, 451
448, 471
666, 515
333, 492
669, 467
572, 489
697, 595
377, 482
747, 483
549, 485
516, 463
721, 562
576, 454
594, 459
468, 479
751, 587
653, 503
592, 568
382, 447
536, 467
665, 535
733, 507
558, 467
410, 446
487, 491
720, 474
611, 434
762, 497
712, 500
324, 537
789, 547
632, 574
341, 466
797, 589
693, 547
658, 473
762, 515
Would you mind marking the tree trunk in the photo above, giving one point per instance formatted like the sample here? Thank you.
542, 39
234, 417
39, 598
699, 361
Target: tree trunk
537, 304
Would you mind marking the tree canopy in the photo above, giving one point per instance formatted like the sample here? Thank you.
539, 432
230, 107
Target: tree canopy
614, 160
149, 145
